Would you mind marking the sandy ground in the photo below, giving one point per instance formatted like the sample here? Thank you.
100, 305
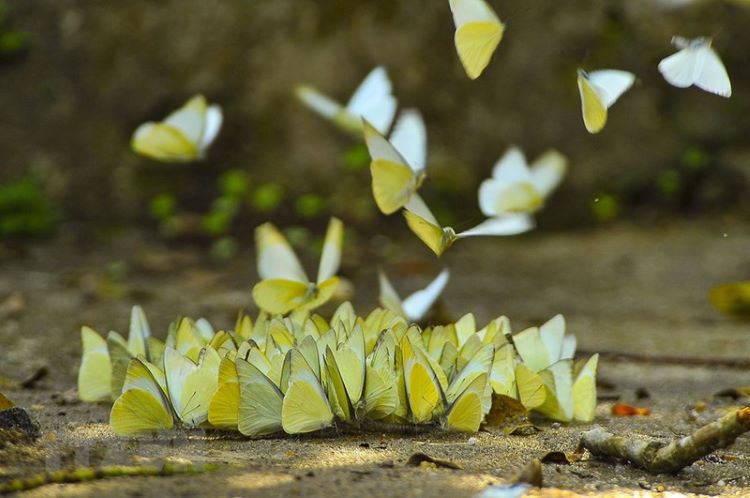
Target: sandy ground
632, 289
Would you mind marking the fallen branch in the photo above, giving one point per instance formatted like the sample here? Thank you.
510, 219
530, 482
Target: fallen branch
658, 458
84, 474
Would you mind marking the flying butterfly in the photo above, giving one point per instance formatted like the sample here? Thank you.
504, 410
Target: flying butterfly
398, 165
478, 33
373, 100
599, 90
183, 136
696, 64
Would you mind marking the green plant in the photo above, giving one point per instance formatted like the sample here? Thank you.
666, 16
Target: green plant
25, 211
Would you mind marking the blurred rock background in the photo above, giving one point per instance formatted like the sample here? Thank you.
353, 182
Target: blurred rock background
79, 76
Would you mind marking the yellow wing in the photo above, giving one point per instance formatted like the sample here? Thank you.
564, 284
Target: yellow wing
336, 389
350, 358
224, 408
164, 143
119, 356
503, 377
259, 411
475, 44
429, 233
191, 386
584, 391
305, 407
143, 406
95, 373
280, 296
466, 414
392, 184
532, 392
380, 394
592, 106
423, 390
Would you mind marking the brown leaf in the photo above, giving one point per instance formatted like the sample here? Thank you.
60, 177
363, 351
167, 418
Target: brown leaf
419, 459
5, 403
507, 414
623, 410
562, 458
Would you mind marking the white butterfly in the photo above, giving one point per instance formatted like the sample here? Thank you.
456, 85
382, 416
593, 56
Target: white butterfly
373, 100
416, 305
517, 188
696, 64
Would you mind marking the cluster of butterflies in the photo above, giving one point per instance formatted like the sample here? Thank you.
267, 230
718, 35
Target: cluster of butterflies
302, 373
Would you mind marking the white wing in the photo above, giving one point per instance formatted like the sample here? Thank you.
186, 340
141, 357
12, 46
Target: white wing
489, 192
512, 167
612, 82
317, 101
190, 119
465, 11
548, 171
681, 69
275, 257
379, 147
417, 206
416, 305
552, 334
330, 258
511, 224
569, 347
713, 75
409, 137
214, 119
373, 100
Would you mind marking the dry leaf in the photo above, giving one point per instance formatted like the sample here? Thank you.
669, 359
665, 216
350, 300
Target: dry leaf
509, 415
562, 458
5, 403
623, 410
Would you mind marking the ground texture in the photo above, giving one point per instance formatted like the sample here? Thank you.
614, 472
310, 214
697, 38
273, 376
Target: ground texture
634, 290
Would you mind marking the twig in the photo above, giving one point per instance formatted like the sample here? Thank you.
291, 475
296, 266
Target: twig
657, 458
669, 359
84, 474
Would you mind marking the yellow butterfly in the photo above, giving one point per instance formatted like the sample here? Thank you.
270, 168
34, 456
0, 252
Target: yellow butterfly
224, 408
516, 187
285, 285
183, 136
191, 385
143, 405
305, 407
478, 33
95, 373
424, 390
599, 90
423, 223
372, 101
259, 411
397, 166
466, 413
584, 389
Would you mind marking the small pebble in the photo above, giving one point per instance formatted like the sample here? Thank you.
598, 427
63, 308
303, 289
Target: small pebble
721, 482
556, 425
472, 441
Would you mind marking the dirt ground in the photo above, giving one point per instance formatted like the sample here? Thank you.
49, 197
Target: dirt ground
639, 290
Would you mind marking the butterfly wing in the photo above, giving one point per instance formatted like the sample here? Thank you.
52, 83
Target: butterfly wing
427, 230
373, 100
592, 105
305, 407
142, 407
509, 224
330, 258
466, 414
419, 303
611, 83
409, 137
393, 180
214, 120
478, 33
260, 402
713, 75
584, 391
95, 372
681, 69
547, 172
276, 258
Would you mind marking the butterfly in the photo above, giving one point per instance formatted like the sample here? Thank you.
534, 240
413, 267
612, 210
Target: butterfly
517, 188
416, 305
372, 101
285, 285
153, 399
183, 136
305, 407
696, 64
599, 90
478, 33
731, 298
398, 165
224, 407
423, 223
